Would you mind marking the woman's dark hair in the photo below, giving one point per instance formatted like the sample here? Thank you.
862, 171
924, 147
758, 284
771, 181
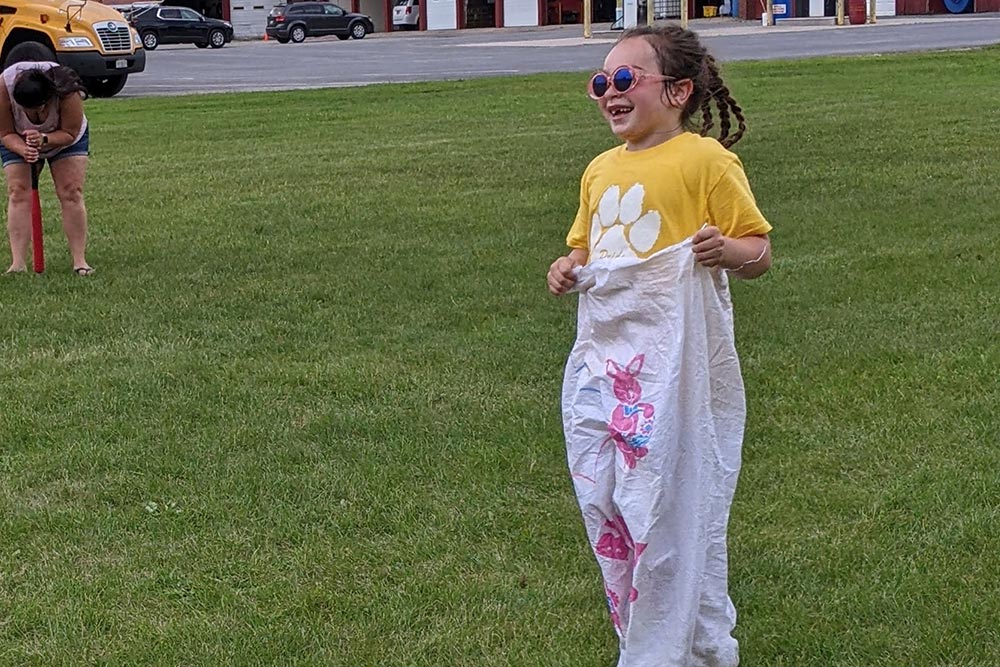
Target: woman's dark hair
682, 56
35, 87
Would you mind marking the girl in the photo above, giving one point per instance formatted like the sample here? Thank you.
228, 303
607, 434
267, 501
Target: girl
653, 403
41, 118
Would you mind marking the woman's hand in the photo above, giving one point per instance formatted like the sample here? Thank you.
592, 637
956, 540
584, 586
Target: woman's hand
32, 142
33, 138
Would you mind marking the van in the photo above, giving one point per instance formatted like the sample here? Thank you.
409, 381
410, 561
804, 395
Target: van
406, 15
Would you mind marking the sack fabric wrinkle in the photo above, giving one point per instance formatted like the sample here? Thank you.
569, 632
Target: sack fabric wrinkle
653, 413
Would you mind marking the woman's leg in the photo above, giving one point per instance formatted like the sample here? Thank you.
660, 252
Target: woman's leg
18, 213
68, 175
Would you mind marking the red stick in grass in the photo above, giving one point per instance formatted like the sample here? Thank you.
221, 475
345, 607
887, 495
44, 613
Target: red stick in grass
36, 220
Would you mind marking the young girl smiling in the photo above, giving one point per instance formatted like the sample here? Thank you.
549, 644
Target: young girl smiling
653, 402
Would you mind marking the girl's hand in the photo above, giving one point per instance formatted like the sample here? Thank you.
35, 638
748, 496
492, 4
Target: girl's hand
709, 246
30, 154
561, 277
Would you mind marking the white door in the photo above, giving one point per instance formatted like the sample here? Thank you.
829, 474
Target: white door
441, 15
520, 13
249, 18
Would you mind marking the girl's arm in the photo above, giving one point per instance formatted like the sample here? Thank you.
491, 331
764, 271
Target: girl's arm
561, 277
746, 257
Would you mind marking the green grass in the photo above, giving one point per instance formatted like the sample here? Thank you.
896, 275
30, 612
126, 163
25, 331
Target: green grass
306, 412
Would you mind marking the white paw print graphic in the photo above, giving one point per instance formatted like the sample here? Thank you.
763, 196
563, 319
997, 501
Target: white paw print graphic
620, 228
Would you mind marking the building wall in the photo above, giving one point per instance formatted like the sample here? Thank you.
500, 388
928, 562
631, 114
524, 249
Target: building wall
381, 15
818, 7
938, 7
920, 7
249, 17
520, 13
441, 15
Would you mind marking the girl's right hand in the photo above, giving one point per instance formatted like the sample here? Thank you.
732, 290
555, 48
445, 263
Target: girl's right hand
30, 154
561, 275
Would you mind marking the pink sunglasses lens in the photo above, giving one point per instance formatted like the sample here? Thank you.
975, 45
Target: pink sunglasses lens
598, 86
623, 79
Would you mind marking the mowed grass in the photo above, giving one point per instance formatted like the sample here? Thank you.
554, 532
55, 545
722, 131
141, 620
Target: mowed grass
306, 412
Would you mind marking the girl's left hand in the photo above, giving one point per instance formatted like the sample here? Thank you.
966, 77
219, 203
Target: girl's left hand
709, 246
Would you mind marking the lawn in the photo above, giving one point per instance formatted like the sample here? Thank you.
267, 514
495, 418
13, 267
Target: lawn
306, 411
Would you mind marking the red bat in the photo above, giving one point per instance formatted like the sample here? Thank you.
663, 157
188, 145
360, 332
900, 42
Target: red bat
36, 220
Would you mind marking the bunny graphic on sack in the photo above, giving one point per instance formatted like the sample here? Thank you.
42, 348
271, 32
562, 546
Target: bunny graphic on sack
631, 422
616, 543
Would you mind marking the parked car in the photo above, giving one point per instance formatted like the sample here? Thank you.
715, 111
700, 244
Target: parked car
295, 22
406, 15
179, 25
128, 11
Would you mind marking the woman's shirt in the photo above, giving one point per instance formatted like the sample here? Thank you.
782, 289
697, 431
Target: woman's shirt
21, 121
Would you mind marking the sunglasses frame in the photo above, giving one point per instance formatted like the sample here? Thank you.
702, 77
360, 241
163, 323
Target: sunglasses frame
637, 77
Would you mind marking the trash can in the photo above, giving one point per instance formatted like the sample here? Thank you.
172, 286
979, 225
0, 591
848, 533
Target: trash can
857, 11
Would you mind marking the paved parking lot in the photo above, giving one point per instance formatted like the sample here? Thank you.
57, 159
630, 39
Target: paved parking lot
459, 54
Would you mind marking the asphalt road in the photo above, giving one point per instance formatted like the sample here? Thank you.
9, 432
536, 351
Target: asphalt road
383, 58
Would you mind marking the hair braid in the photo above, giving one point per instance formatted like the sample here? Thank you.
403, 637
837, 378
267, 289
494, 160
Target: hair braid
706, 117
682, 56
725, 103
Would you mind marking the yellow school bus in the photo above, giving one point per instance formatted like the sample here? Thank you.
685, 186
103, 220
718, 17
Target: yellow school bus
91, 38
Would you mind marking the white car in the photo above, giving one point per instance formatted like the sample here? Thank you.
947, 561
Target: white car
406, 15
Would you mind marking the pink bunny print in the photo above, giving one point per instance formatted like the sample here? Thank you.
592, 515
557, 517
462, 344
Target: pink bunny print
631, 421
616, 543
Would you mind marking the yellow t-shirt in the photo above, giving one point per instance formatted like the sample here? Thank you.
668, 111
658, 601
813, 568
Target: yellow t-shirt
634, 203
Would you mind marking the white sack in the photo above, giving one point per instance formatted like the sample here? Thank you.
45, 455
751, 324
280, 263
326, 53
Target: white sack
653, 412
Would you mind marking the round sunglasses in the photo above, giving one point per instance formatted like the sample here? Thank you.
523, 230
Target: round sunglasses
623, 79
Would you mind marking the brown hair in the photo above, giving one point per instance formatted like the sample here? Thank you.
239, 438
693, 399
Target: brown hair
682, 56
35, 87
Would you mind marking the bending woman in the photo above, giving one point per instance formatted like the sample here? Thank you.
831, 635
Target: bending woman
41, 118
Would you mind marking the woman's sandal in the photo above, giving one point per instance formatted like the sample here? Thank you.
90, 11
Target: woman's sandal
84, 270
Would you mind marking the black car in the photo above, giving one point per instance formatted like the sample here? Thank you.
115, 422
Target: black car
297, 21
179, 25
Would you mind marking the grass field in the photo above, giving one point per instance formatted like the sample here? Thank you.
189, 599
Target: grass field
306, 412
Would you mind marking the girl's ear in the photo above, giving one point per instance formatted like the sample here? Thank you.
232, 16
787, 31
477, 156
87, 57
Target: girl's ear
678, 92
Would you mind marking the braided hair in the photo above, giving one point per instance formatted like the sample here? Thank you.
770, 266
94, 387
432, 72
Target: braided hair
682, 56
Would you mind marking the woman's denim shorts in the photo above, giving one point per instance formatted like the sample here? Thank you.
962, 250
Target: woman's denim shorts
81, 147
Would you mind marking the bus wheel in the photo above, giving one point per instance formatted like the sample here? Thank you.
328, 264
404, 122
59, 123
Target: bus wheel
105, 86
